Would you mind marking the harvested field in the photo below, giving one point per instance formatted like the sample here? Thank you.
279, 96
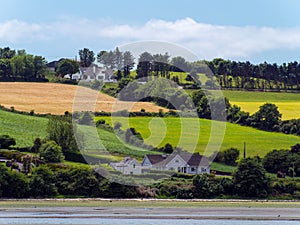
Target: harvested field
58, 98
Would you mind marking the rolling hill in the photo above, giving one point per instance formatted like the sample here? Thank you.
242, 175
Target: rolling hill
184, 133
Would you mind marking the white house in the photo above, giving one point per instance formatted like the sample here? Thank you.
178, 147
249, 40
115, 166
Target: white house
94, 72
178, 162
130, 166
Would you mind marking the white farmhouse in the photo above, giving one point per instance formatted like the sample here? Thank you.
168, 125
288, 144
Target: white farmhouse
178, 162
94, 72
129, 166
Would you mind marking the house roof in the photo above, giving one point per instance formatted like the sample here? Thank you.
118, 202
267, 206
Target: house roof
190, 159
92, 70
196, 160
155, 159
127, 161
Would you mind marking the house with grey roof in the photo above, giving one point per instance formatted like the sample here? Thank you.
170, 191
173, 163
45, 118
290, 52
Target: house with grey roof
130, 166
178, 162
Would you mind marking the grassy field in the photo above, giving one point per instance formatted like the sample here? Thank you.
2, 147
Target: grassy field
58, 98
185, 134
23, 128
107, 143
26, 128
288, 103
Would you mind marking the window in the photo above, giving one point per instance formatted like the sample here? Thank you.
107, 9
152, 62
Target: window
193, 169
177, 161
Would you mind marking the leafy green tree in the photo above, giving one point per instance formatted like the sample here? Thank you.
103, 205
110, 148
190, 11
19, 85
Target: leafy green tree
5, 68
267, 117
295, 148
179, 64
144, 65
128, 63
168, 148
51, 152
250, 179
67, 66
230, 156
6, 141
79, 182
87, 57
42, 182
86, 119
107, 59
7, 53
283, 161
18, 185
62, 131
202, 188
27, 164
36, 145
3, 179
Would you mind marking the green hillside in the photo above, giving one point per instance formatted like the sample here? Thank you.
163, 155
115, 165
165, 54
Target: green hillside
159, 131
23, 128
26, 128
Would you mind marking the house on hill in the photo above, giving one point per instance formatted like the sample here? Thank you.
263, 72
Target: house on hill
94, 72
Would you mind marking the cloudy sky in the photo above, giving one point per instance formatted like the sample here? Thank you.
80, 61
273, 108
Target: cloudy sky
255, 30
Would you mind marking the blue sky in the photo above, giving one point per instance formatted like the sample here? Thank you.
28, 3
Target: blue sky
253, 30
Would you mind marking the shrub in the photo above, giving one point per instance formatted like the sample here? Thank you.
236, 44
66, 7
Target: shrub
6, 141
51, 152
42, 182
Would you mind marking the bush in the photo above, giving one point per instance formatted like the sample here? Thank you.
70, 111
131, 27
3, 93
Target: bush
230, 156
100, 122
51, 152
42, 182
6, 141
283, 161
250, 179
79, 182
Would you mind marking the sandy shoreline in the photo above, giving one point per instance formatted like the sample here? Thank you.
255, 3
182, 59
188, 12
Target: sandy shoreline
215, 209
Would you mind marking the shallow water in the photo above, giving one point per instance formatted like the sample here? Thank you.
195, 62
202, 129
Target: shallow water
54, 221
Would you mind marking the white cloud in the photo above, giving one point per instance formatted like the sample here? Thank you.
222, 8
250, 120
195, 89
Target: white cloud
205, 40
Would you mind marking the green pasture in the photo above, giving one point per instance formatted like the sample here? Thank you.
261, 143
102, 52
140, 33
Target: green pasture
22, 127
205, 136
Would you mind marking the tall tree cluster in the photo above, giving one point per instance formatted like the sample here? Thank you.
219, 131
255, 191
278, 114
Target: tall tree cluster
123, 62
245, 75
20, 66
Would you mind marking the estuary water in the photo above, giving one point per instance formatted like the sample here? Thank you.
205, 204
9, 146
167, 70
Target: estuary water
117, 221
150, 216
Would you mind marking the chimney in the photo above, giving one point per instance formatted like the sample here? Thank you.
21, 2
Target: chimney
94, 69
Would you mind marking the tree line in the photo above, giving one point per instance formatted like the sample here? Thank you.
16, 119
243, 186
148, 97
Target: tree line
19, 65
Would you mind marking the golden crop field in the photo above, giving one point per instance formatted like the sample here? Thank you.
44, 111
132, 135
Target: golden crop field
289, 110
58, 98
